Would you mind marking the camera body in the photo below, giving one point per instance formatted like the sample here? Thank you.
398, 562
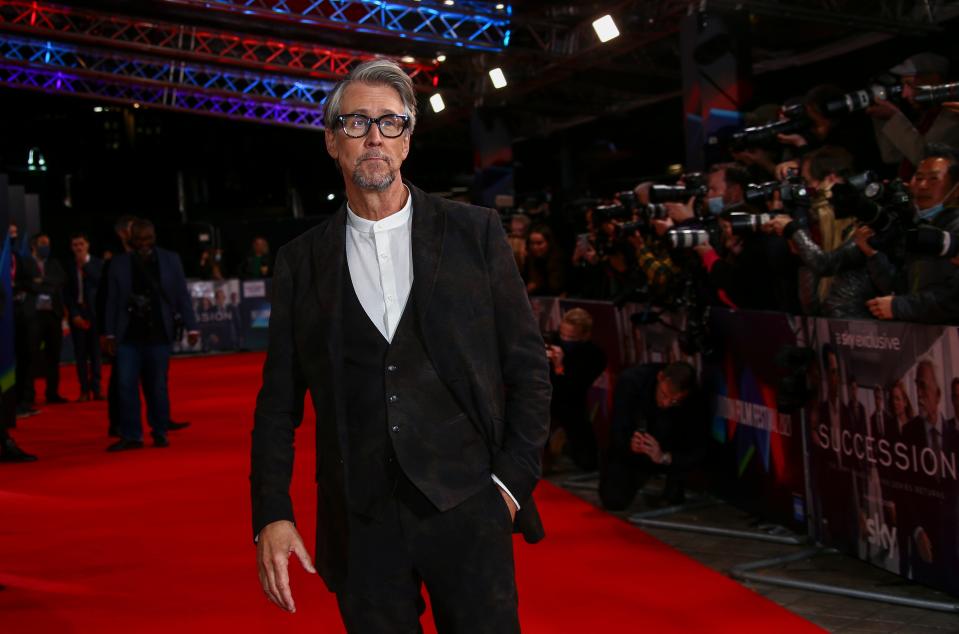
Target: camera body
694, 186
883, 206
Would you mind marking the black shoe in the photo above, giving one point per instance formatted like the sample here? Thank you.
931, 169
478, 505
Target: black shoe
10, 452
124, 444
172, 426
25, 411
160, 442
56, 399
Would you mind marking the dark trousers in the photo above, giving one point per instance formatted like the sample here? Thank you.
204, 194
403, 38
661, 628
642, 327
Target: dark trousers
51, 341
26, 347
463, 556
146, 364
113, 399
624, 475
86, 348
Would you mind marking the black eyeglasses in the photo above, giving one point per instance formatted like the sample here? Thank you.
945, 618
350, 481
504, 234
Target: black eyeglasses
358, 125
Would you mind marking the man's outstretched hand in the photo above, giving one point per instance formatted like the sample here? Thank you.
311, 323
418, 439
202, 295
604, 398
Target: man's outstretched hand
276, 542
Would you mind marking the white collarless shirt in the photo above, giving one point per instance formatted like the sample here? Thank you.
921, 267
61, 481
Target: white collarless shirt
379, 256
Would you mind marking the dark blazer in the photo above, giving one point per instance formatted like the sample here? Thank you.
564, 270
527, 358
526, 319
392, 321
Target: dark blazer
478, 330
172, 281
92, 272
51, 283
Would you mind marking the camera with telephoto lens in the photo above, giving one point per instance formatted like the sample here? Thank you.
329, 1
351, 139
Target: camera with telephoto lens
792, 191
934, 95
882, 205
932, 241
883, 88
743, 222
795, 121
694, 186
610, 213
687, 238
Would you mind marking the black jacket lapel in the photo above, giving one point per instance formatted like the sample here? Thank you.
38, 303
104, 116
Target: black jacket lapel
429, 225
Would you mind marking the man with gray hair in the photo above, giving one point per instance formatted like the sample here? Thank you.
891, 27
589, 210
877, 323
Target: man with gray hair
405, 317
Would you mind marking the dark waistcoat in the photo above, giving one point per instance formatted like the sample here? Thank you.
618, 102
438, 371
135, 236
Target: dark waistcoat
407, 435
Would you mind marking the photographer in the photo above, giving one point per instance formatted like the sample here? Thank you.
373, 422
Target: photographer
903, 135
659, 426
923, 288
840, 279
575, 363
750, 270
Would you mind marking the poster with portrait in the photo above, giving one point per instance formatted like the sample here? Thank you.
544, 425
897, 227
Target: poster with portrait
884, 444
216, 306
255, 313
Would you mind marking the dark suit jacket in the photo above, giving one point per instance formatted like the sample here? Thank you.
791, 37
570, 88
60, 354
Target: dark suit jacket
51, 283
172, 281
479, 332
92, 272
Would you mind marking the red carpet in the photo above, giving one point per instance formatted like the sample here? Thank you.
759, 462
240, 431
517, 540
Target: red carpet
158, 540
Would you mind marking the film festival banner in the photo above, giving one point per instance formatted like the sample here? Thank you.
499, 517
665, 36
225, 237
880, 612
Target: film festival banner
216, 306
760, 447
255, 313
884, 445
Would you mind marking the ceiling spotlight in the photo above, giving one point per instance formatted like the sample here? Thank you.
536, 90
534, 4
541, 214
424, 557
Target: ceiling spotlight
98, 108
500, 6
436, 101
407, 59
448, 3
136, 105
441, 58
499, 79
605, 28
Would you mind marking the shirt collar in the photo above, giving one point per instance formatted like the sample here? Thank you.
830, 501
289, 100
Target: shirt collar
392, 221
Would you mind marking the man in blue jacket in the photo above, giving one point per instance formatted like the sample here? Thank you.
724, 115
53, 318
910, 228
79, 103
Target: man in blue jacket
147, 303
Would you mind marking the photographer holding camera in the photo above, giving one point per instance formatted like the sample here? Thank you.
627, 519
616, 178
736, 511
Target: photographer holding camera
902, 135
923, 288
749, 269
840, 283
146, 300
658, 426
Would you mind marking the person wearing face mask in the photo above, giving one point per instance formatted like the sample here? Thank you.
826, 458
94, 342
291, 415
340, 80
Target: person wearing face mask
751, 270
575, 363
924, 287
49, 316
147, 297
835, 267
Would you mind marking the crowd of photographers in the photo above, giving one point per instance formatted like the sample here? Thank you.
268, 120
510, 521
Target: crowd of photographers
806, 214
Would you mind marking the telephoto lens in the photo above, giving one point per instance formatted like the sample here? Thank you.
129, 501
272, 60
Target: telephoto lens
687, 238
930, 95
743, 222
932, 241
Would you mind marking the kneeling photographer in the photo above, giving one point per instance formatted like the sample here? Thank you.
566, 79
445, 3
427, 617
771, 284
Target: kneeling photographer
922, 288
658, 427
839, 282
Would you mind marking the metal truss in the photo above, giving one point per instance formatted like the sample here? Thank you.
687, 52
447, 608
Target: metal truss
175, 74
885, 16
159, 96
469, 24
40, 19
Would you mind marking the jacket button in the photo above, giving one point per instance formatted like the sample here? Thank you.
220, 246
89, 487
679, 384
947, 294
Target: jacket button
395, 429
393, 398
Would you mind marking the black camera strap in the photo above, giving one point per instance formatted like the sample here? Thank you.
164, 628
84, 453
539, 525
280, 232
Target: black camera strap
178, 325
